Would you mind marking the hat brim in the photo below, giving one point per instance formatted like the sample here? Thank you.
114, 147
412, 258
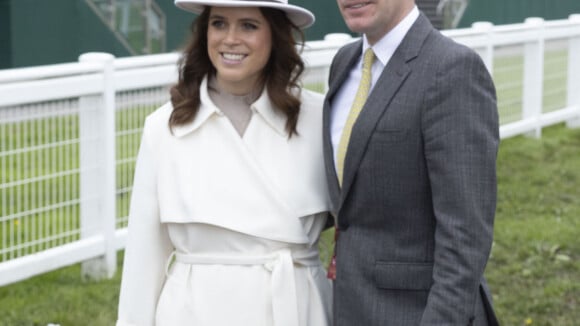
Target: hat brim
301, 17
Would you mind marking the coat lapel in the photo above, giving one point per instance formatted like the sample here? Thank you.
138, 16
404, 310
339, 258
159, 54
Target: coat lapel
388, 84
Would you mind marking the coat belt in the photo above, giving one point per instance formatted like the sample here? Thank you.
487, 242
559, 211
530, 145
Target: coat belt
281, 266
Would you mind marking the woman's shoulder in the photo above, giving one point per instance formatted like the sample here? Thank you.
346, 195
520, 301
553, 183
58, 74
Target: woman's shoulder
310, 117
160, 116
157, 122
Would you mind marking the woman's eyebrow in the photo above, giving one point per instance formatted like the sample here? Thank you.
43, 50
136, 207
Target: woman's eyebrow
245, 20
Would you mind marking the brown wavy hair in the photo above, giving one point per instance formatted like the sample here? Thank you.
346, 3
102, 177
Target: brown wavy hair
280, 75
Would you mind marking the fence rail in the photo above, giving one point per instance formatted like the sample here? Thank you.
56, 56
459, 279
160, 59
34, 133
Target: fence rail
69, 134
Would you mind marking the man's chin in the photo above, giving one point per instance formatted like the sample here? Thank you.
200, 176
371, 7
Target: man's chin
356, 25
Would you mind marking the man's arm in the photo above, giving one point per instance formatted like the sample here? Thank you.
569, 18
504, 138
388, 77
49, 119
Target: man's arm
461, 132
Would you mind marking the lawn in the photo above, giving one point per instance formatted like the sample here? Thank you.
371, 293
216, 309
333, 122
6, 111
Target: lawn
535, 264
534, 270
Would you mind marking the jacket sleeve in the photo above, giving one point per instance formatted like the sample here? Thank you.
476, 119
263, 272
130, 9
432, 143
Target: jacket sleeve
148, 245
461, 136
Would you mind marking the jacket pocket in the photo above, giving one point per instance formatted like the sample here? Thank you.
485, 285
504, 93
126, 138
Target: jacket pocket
403, 276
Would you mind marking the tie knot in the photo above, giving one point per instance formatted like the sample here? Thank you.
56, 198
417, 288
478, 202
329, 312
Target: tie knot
368, 58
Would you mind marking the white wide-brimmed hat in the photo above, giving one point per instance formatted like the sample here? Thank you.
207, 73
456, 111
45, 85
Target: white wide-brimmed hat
299, 16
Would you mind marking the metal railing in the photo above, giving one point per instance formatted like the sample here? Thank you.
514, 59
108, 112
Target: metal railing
139, 25
69, 134
452, 11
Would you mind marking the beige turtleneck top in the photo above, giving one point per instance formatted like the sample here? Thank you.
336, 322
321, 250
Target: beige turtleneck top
236, 107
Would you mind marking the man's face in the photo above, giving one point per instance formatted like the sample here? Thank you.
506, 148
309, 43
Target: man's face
375, 18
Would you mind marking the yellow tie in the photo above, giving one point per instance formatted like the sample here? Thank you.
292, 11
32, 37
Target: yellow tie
357, 105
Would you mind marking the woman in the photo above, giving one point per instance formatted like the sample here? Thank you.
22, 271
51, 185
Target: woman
229, 196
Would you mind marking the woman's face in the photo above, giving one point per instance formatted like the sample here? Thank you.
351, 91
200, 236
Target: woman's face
239, 46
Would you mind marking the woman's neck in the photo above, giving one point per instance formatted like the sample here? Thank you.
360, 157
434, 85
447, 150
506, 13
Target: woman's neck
247, 94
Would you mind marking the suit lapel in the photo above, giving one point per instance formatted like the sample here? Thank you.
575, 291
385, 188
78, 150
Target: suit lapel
341, 69
387, 86
343, 65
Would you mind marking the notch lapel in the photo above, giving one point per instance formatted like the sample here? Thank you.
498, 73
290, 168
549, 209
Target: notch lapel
342, 66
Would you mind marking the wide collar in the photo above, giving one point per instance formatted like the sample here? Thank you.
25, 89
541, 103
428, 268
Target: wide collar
262, 106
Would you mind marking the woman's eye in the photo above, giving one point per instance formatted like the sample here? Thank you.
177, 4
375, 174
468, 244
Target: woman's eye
217, 23
249, 26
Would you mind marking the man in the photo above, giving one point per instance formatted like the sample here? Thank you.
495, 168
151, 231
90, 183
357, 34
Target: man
413, 186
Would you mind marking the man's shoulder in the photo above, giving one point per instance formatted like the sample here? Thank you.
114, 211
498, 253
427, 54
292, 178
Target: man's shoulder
349, 48
440, 45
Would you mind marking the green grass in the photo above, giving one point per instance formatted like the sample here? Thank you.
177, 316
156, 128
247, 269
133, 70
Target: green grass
534, 270
60, 297
535, 265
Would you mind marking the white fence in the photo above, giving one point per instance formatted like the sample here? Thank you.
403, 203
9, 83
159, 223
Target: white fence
69, 134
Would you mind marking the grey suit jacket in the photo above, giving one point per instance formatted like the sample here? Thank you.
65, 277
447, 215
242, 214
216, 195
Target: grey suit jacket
418, 200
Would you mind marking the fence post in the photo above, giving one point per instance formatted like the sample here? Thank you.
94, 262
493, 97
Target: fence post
98, 164
486, 53
534, 74
574, 72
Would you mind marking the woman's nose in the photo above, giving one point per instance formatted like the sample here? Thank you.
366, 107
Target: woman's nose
231, 36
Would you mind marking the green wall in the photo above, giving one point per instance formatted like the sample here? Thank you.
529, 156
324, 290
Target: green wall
176, 24
43, 31
94, 35
5, 36
328, 18
516, 11
38, 32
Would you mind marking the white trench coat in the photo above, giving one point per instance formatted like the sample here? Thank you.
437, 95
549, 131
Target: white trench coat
223, 229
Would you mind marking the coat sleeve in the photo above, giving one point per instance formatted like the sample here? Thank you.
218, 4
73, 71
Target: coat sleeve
148, 245
461, 136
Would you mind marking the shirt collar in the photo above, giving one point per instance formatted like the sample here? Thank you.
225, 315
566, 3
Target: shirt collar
388, 44
262, 106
